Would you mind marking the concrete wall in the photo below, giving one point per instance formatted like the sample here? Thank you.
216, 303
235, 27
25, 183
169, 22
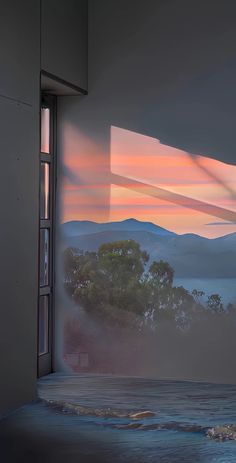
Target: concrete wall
19, 142
165, 69
63, 54
64, 40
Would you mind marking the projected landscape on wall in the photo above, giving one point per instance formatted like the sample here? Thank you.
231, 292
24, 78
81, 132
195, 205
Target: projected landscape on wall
162, 265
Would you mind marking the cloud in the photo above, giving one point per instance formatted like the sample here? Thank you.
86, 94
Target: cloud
220, 223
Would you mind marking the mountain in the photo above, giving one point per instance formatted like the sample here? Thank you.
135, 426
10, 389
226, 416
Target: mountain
190, 255
84, 227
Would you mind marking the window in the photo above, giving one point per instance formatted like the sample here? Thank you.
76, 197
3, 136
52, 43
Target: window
44, 190
45, 129
46, 234
43, 325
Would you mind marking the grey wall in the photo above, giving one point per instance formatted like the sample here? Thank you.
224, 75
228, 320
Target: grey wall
64, 53
163, 68
19, 142
64, 40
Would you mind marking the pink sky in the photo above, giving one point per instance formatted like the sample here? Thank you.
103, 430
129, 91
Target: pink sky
145, 159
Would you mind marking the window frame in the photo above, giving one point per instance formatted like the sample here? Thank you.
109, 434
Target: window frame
45, 361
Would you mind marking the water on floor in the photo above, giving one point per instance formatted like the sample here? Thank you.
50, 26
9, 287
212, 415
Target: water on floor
75, 422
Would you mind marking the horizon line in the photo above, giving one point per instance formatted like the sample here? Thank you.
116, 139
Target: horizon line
148, 222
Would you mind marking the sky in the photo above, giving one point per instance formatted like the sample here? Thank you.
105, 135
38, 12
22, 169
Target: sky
149, 181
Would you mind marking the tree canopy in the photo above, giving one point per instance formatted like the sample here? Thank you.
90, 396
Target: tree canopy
117, 285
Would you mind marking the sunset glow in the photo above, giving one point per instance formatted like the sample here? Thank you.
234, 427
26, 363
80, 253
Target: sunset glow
145, 159
90, 184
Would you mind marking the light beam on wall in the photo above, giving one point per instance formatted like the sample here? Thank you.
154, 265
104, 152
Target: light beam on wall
182, 191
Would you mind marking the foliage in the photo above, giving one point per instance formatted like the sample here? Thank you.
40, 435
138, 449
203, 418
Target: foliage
116, 285
214, 304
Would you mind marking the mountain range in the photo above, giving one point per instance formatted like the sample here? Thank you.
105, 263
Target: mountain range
84, 227
191, 256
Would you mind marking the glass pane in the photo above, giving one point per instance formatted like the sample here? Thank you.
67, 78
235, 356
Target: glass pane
43, 324
45, 130
44, 257
44, 191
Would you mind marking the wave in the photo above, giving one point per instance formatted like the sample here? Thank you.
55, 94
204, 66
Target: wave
169, 426
222, 433
78, 409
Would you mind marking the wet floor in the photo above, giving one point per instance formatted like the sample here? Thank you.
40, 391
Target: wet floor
175, 432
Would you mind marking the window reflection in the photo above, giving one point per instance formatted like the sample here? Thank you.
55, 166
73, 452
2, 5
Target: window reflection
45, 130
44, 257
44, 191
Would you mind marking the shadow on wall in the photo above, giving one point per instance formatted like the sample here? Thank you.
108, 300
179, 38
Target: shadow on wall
161, 68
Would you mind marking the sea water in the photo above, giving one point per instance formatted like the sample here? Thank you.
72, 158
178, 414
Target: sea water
225, 287
176, 404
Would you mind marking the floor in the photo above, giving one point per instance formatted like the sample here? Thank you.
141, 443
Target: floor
89, 418
39, 433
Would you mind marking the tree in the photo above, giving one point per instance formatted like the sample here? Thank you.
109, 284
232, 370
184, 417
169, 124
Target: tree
165, 302
183, 305
108, 282
158, 284
161, 274
197, 295
214, 304
70, 270
115, 285
122, 264
122, 259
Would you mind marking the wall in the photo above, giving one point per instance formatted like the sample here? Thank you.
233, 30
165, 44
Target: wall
64, 40
163, 70
19, 109
60, 47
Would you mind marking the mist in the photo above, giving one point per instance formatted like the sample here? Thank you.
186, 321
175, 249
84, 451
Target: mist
203, 352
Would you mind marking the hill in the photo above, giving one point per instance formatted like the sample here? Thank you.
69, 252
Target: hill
84, 227
190, 255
